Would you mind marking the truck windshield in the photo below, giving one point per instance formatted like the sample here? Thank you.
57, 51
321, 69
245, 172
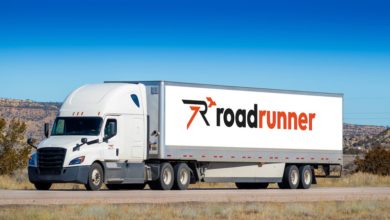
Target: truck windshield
89, 126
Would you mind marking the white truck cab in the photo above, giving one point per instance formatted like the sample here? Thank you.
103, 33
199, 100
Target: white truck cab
97, 124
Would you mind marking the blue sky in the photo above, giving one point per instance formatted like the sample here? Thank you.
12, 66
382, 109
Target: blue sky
48, 48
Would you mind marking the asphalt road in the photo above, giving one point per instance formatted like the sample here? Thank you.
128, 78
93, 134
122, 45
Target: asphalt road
34, 197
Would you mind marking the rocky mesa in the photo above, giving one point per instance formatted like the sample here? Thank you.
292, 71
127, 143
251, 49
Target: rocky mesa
34, 114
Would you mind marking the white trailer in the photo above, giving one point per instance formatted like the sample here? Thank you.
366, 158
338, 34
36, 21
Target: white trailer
169, 135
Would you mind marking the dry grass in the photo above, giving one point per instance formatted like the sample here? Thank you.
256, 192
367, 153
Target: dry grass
317, 210
20, 181
16, 181
355, 180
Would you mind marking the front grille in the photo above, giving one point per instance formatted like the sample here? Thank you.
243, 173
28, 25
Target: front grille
51, 160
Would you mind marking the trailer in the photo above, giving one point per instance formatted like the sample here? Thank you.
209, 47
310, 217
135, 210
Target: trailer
169, 135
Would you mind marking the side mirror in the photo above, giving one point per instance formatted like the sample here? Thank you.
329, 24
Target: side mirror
31, 143
84, 140
47, 129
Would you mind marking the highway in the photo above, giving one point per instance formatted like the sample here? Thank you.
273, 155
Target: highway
54, 197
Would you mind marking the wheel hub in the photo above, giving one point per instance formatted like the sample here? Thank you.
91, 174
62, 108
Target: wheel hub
307, 177
167, 177
294, 177
183, 177
96, 177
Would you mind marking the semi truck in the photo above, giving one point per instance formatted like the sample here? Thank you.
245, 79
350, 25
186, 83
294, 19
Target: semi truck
169, 135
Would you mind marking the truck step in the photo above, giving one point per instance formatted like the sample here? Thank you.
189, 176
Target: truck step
115, 180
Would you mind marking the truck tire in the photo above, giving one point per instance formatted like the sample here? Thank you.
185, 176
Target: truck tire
252, 185
95, 177
42, 186
166, 179
182, 176
290, 178
306, 177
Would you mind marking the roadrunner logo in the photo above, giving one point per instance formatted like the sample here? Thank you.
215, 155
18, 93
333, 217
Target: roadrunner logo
252, 118
196, 105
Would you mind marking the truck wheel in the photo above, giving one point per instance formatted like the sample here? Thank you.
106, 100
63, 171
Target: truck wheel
290, 178
306, 176
165, 181
95, 177
252, 185
42, 186
182, 176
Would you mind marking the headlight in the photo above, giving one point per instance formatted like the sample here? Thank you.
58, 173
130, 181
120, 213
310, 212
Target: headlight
32, 159
77, 160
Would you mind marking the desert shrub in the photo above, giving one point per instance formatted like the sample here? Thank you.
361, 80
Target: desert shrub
376, 161
14, 151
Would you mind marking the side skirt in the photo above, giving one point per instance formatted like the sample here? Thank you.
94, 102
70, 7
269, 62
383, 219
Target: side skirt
124, 173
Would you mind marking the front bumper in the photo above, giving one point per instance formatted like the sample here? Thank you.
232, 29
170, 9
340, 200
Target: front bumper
78, 174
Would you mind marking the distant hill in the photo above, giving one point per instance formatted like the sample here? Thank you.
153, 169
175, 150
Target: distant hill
365, 136
35, 114
362, 130
382, 139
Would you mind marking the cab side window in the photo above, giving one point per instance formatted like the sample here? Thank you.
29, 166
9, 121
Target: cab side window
107, 128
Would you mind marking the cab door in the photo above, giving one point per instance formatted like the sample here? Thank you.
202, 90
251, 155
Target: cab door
111, 138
